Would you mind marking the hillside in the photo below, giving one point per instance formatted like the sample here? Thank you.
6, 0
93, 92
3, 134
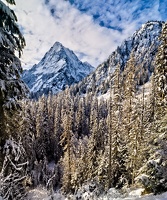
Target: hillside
143, 45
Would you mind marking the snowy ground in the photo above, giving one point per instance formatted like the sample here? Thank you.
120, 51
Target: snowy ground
42, 194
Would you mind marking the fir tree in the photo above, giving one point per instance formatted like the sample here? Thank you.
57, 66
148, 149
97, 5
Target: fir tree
161, 67
153, 175
94, 144
11, 87
58, 128
67, 138
130, 116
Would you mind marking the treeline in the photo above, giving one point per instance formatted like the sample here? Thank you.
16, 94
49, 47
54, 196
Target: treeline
67, 140
116, 141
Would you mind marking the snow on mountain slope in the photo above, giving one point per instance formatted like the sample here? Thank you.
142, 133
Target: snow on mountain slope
60, 66
57, 69
143, 44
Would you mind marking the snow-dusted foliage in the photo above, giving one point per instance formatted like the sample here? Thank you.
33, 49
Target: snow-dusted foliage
10, 35
143, 43
154, 175
11, 39
13, 173
161, 71
12, 89
85, 146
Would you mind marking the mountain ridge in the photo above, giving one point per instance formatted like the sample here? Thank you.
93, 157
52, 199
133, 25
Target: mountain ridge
58, 68
143, 44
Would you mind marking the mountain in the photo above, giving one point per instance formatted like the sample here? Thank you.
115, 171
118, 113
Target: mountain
143, 44
60, 66
57, 69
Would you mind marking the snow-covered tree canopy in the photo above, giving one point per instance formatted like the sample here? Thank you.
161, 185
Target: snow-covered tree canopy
10, 35
12, 88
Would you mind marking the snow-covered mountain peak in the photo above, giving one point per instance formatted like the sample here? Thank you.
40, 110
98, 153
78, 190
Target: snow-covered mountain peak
57, 47
59, 67
143, 44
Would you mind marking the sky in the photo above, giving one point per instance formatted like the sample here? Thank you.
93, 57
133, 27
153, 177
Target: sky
92, 29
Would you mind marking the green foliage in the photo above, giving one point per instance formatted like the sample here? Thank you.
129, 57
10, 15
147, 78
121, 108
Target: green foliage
11, 2
10, 34
12, 88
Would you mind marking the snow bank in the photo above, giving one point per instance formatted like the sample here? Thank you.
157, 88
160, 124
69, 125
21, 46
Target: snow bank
42, 194
112, 194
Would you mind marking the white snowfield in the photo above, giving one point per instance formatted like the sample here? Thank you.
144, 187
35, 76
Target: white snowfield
112, 194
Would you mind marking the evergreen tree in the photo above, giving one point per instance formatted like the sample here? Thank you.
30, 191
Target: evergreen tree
58, 128
94, 143
11, 87
11, 37
110, 141
153, 173
130, 116
42, 129
27, 131
80, 118
118, 140
13, 174
161, 67
81, 165
156, 166
67, 139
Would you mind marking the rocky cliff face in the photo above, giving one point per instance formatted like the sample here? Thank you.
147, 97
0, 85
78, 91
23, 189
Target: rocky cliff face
60, 66
143, 44
57, 69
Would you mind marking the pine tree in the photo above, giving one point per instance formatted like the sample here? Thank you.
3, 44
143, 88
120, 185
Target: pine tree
11, 37
58, 127
12, 87
80, 118
67, 138
161, 67
94, 144
116, 141
154, 175
156, 165
27, 131
119, 149
13, 174
81, 165
110, 142
130, 116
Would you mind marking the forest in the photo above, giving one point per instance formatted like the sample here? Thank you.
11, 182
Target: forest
66, 140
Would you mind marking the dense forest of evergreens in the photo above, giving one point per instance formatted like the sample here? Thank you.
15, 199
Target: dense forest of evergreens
64, 141
67, 140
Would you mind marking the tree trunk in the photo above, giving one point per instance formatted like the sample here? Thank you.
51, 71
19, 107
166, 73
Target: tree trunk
2, 135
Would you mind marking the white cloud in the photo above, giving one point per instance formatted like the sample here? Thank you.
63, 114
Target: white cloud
75, 30
72, 28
